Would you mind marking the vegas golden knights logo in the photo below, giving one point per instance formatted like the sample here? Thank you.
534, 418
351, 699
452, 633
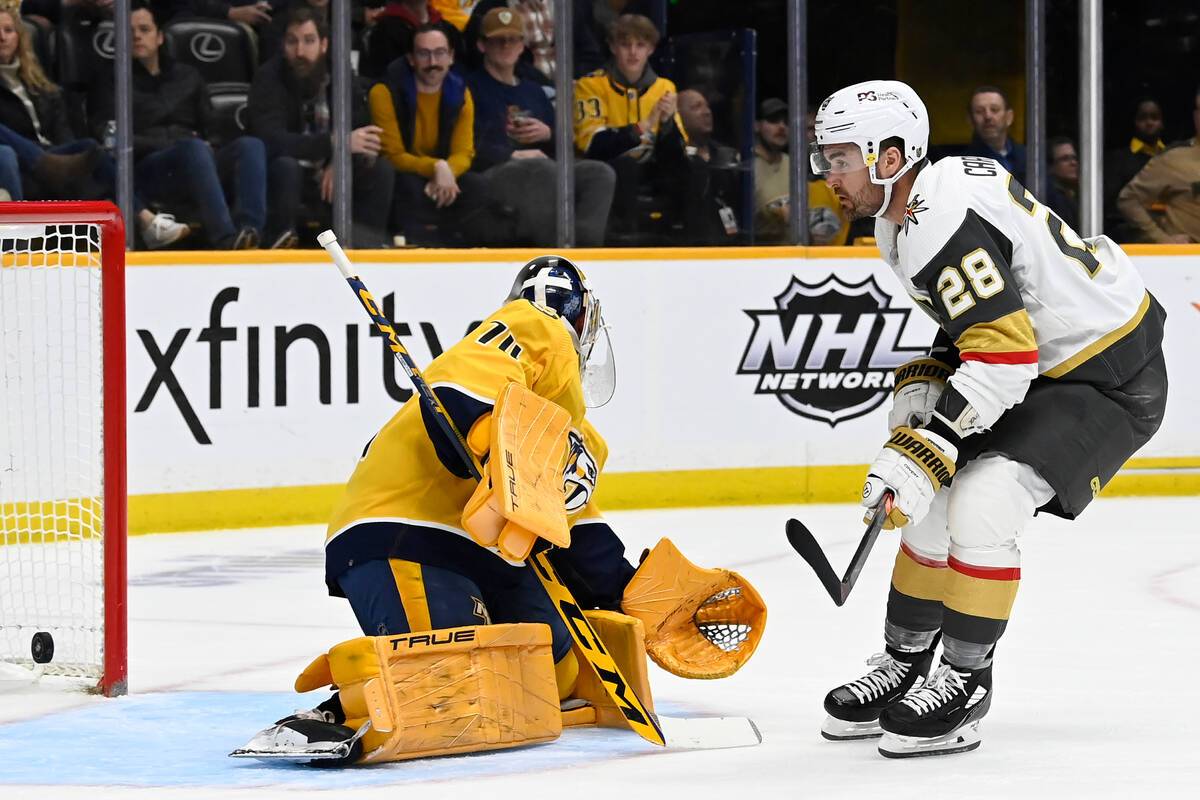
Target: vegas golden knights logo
827, 350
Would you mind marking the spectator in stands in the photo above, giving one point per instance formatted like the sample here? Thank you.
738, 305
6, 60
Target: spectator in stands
253, 13
390, 35
713, 177
427, 117
626, 114
1062, 195
289, 109
592, 21
514, 147
991, 116
1126, 160
53, 163
172, 160
456, 12
270, 37
537, 57
827, 223
1172, 178
10, 175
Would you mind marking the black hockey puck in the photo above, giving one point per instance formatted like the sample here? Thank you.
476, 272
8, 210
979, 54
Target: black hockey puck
42, 647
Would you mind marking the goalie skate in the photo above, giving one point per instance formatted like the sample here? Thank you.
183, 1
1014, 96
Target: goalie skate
304, 740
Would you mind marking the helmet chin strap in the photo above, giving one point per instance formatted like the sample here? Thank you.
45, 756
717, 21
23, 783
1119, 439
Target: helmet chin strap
887, 199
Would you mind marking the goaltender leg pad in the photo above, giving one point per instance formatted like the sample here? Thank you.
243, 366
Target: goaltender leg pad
456, 690
521, 495
625, 639
700, 623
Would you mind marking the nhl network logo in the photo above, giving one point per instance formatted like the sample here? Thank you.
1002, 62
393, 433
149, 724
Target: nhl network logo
827, 351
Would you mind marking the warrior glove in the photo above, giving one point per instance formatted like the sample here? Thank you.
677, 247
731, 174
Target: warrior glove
919, 384
913, 465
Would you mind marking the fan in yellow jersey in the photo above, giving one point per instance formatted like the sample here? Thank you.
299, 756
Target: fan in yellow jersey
626, 114
422, 587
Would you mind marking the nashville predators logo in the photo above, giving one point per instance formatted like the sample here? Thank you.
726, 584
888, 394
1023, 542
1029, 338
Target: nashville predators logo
580, 474
914, 207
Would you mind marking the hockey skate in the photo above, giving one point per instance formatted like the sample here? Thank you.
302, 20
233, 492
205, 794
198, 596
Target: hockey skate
854, 707
940, 717
316, 737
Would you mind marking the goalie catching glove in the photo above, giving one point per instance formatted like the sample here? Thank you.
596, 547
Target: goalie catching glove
700, 623
913, 465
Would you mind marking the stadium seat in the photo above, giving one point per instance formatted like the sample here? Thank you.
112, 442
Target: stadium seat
84, 46
229, 108
223, 52
83, 54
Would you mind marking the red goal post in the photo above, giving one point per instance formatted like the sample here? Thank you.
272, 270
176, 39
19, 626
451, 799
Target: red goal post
62, 439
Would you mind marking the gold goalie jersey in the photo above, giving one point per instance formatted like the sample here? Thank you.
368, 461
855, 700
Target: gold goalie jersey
1015, 291
410, 476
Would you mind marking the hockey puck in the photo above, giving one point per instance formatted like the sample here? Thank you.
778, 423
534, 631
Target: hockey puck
42, 647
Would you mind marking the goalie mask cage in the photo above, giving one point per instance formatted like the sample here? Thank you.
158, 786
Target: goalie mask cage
62, 438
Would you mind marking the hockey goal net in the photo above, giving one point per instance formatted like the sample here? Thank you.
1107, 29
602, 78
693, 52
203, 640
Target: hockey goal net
62, 441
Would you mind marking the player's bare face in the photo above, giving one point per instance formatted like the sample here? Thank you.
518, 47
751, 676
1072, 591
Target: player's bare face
303, 48
631, 56
851, 182
8, 38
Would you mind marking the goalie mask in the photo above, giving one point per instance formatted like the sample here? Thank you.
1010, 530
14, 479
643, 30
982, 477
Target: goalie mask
557, 283
863, 116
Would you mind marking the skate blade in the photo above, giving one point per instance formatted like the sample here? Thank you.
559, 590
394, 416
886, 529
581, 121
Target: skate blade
279, 743
839, 730
959, 741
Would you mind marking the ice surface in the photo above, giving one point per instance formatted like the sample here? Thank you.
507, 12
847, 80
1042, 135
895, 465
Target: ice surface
1095, 694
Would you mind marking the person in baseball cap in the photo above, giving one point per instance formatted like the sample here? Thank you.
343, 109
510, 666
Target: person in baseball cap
502, 21
772, 109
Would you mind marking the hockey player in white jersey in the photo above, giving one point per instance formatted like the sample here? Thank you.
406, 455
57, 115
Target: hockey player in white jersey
1045, 376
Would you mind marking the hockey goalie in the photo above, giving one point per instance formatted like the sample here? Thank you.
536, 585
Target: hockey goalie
463, 649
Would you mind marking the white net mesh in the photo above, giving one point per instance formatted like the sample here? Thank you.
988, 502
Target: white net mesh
51, 445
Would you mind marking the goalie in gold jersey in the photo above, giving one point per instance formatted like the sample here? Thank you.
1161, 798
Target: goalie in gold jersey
398, 548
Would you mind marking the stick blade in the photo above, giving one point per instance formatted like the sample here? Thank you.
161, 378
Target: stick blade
709, 733
804, 543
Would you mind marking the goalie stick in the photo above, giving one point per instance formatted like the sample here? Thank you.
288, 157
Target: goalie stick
619, 690
804, 543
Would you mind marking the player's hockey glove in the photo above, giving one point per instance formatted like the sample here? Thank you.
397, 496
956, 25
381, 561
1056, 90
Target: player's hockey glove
919, 384
700, 623
913, 464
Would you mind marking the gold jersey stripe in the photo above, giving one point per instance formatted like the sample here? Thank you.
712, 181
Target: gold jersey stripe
1101, 344
979, 597
1012, 333
918, 580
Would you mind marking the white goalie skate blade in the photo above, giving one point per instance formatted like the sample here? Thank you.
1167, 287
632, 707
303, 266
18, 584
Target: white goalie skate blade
839, 730
959, 741
280, 743
709, 733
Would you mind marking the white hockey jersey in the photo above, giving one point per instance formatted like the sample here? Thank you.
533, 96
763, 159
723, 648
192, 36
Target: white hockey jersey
1015, 291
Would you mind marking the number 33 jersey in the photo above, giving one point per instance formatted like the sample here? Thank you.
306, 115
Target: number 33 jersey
1015, 291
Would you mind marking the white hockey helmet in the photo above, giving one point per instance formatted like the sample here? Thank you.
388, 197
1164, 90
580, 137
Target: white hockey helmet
867, 114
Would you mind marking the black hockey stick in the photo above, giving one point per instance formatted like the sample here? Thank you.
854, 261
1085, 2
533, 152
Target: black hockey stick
622, 694
804, 543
